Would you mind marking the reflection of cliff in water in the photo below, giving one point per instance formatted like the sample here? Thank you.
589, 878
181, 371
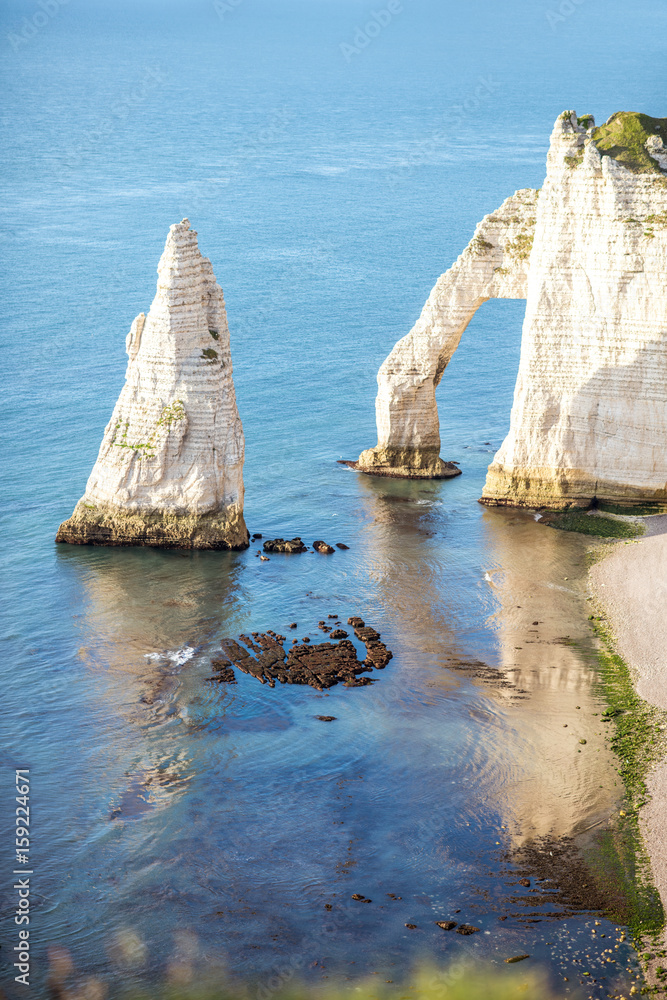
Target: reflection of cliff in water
417, 574
540, 583
517, 635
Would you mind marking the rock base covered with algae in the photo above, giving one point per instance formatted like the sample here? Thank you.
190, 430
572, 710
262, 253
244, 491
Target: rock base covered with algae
170, 468
405, 463
115, 526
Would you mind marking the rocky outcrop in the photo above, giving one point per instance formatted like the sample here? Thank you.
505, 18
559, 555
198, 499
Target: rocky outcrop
588, 420
493, 265
323, 665
170, 468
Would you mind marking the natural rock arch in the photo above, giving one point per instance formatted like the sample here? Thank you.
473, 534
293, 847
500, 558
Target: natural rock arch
494, 265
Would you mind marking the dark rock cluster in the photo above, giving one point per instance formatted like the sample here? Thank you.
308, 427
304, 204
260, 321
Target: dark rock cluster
284, 545
291, 545
322, 665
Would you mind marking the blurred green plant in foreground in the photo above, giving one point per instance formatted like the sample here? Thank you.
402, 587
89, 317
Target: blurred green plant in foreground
186, 980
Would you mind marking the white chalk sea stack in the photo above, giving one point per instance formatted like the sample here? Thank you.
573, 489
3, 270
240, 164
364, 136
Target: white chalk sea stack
170, 468
589, 254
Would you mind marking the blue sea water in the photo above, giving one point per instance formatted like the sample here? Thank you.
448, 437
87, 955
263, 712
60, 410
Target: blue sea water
176, 824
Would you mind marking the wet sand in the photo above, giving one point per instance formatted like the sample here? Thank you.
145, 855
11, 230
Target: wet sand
631, 583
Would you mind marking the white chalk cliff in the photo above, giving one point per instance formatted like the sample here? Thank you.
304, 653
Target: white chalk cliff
170, 468
589, 254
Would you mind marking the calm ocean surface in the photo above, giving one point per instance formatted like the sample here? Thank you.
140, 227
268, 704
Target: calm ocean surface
178, 821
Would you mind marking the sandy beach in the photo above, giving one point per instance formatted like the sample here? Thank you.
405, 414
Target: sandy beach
631, 584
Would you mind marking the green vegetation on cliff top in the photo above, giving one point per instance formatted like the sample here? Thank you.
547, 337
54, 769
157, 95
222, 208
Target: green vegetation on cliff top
624, 136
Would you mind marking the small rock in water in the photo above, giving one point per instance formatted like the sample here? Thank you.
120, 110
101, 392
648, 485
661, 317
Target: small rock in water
356, 622
447, 925
306, 639
294, 625
224, 672
328, 906
516, 958
323, 548
359, 897
256, 536
341, 545
326, 718
281, 545
264, 558
332, 616
525, 882
412, 927
339, 634
466, 929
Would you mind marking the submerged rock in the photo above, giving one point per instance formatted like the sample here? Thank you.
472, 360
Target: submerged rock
284, 545
223, 672
170, 468
320, 665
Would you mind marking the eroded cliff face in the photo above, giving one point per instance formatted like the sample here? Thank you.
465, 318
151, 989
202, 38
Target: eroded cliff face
170, 468
590, 256
589, 418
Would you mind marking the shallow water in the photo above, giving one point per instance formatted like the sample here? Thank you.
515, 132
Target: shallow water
225, 818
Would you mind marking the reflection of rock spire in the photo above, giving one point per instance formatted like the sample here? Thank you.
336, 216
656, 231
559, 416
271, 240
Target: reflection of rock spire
170, 467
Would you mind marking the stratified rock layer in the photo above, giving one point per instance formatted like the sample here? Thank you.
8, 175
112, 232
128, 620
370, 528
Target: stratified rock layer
170, 468
590, 256
589, 419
